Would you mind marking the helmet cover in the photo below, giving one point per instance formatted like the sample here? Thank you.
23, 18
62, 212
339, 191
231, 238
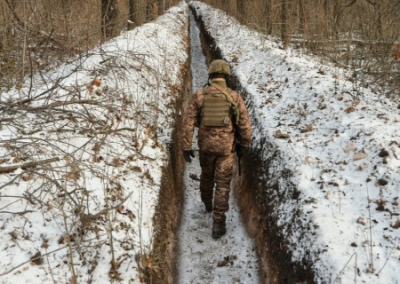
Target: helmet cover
219, 66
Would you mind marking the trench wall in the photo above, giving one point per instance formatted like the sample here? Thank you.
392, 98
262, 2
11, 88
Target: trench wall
162, 269
259, 192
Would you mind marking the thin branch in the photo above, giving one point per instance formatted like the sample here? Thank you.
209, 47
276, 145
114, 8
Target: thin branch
27, 165
57, 104
18, 213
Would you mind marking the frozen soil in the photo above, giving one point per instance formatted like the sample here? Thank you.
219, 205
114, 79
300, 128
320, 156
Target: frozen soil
202, 259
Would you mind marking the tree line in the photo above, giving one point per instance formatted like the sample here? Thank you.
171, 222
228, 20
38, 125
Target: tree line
37, 34
360, 34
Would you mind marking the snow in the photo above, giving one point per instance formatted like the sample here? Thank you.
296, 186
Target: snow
96, 201
112, 148
230, 259
323, 109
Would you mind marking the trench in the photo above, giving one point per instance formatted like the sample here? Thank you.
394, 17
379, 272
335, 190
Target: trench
202, 259
253, 249
254, 190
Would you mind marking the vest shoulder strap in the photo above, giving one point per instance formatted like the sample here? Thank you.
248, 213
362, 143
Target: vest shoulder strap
224, 91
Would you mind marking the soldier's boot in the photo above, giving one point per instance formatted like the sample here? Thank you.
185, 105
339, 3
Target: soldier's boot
218, 229
209, 206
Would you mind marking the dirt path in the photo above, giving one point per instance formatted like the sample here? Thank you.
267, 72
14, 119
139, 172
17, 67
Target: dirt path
201, 259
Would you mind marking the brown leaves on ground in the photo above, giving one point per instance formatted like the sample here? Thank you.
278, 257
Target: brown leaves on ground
308, 128
45, 244
280, 135
396, 225
37, 259
26, 177
194, 177
95, 87
118, 162
73, 175
136, 169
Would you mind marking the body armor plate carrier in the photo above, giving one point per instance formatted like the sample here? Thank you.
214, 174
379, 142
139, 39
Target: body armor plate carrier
216, 111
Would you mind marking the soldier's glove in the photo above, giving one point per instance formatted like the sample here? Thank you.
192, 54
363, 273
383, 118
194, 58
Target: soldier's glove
187, 154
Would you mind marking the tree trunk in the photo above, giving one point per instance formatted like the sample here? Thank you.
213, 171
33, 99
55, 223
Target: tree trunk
161, 6
337, 14
132, 15
285, 23
302, 17
137, 13
109, 15
152, 10
379, 24
240, 9
268, 22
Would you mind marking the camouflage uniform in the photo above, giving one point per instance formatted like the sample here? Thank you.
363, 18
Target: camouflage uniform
216, 145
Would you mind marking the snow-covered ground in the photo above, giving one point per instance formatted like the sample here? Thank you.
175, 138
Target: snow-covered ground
202, 259
339, 140
91, 203
101, 125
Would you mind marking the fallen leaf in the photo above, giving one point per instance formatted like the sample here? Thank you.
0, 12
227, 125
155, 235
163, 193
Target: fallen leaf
350, 147
383, 153
26, 177
359, 156
310, 160
45, 244
194, 177
279, 134
362, 221
73, 175
97, 82
396, 225
37, 258
117, 162
307, 129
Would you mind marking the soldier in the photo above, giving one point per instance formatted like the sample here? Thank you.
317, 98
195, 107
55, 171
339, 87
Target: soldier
224, 127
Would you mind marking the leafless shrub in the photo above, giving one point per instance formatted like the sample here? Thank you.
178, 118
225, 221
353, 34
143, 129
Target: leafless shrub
361, 35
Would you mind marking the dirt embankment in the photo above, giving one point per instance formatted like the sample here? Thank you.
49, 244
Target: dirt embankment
160, 267
255, 189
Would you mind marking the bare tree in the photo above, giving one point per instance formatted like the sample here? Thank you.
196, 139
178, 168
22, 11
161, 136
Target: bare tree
268, 10
137, 13
132, 14
302, 16
109, 14
285, 23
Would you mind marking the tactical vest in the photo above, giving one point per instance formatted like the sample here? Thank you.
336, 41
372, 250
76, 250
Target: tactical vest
216, 111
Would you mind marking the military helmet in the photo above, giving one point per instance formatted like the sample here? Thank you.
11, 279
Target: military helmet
219, 66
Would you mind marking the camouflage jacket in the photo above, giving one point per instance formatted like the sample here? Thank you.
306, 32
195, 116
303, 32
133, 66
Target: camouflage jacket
216, 140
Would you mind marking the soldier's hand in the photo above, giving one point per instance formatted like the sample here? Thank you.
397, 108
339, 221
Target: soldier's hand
188, 155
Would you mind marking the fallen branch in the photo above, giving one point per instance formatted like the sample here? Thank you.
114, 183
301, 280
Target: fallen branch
109, 131
18, 213
28, 261
8, 169
57, 104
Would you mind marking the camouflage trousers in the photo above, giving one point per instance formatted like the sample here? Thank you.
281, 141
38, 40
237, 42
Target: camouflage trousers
216, 169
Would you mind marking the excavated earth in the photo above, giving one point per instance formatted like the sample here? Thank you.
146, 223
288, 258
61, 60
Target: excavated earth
251, 189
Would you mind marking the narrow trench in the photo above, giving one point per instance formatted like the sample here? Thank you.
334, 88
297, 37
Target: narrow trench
201, 259
253, 191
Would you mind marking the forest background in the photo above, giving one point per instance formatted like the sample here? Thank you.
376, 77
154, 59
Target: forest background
362, 35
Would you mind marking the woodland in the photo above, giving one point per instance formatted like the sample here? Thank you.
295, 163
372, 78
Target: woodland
359, 34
